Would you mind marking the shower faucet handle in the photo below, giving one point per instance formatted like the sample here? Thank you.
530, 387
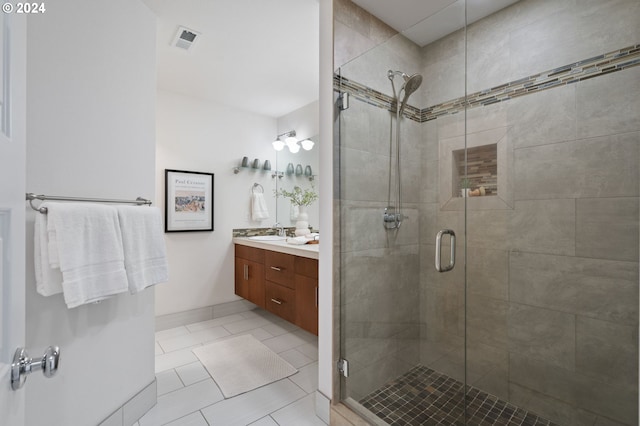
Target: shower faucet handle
392, 220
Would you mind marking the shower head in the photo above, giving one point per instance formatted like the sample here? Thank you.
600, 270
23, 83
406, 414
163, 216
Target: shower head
411, 84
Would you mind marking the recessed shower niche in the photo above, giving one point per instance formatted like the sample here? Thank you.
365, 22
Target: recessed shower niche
489, 161
481, 171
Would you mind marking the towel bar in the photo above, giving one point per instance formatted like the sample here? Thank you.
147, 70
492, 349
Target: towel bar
31, 197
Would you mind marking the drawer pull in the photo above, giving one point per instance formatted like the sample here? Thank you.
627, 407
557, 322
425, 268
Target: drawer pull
275, 268
279, 302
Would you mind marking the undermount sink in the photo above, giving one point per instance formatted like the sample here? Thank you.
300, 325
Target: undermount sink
267, 238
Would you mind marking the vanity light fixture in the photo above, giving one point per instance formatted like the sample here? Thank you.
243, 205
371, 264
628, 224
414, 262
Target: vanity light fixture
290, 141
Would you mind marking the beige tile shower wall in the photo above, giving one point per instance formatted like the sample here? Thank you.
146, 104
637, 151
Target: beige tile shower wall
355, 32
524, 39
552, 276
366, 49
552, 281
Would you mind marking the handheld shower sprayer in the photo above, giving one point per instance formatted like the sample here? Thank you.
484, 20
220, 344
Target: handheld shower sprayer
392, 218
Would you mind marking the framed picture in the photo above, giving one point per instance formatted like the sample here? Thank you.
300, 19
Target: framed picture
188, 201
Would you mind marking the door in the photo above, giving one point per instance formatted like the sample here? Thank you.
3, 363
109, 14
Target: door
12, 210
402, 320
402, 332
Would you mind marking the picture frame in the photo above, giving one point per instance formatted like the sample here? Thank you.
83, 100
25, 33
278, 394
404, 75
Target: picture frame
188, 201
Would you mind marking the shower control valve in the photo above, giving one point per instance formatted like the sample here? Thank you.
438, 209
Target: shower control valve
390, 219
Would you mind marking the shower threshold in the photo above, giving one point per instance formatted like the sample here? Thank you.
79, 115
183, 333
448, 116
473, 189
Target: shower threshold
423, 396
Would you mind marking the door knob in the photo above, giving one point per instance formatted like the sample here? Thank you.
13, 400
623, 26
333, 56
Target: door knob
23, 365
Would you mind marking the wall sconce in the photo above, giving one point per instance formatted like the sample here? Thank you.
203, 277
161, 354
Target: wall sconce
291, 142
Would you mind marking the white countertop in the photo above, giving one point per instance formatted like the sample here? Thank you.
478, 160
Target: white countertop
304, 250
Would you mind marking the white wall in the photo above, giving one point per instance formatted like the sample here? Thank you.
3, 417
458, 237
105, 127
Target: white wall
207, 137
326, 366
303, 120
90, 132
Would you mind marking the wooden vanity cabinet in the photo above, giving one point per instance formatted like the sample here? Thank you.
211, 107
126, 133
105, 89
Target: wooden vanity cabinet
249, 274
289, 286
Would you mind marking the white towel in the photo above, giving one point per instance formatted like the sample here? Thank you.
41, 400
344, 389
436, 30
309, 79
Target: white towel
48, 279
145, 257
258, 207
89, 250
52, 242
297, 240
294, 211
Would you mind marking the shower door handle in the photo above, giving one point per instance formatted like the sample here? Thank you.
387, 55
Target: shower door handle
452, 261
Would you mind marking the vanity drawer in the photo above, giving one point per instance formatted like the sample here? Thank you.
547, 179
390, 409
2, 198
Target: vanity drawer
250, 253
279, 268
281, 301
307, 267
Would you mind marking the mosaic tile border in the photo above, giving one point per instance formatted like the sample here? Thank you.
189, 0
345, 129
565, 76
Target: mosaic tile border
252, 232
423, 396
606, 63
373, 97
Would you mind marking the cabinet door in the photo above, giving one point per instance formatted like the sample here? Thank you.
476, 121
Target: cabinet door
307, 303
249, 281
241, 278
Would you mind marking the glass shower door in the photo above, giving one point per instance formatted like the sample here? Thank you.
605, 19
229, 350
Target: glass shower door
402, 322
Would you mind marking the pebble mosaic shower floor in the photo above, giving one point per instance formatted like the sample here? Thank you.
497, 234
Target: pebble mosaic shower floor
425, 397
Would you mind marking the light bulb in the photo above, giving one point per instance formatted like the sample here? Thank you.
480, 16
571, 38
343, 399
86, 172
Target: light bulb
290, 141
278, 145
294, 148
307, 144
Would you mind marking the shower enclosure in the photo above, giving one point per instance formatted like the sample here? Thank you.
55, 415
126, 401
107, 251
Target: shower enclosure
523, 140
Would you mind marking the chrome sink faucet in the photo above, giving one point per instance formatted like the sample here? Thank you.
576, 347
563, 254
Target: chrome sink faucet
280, 229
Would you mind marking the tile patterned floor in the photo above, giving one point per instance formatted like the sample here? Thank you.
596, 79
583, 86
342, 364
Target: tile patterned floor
425, 397
188, 396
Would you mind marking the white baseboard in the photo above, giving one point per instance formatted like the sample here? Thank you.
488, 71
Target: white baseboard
164, 322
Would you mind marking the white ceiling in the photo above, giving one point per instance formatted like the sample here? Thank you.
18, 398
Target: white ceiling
262, 55
256, 55
425, 21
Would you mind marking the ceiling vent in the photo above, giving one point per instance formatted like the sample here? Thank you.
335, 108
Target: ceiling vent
185, 38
